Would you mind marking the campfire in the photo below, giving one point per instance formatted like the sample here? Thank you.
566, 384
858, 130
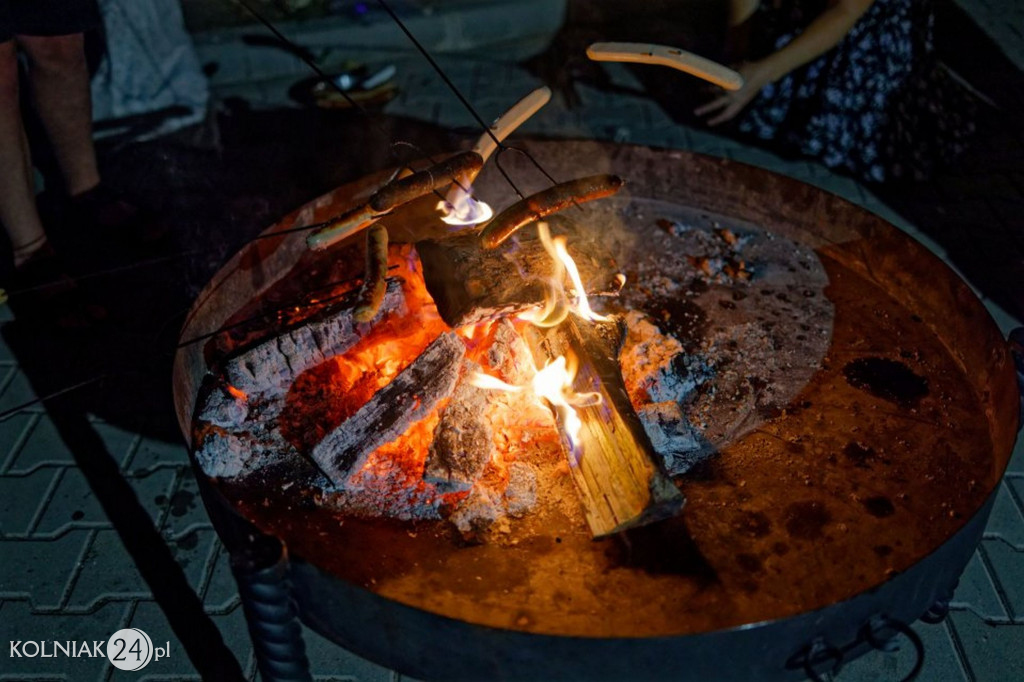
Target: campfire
460, 377
439, 407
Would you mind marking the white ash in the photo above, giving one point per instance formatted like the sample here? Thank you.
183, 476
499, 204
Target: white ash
385, 492
484, 506
463, 441
521, 493
242, 436
481, 508
224, 409
509, 355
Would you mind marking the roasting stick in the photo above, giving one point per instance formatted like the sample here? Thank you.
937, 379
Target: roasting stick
400, 190
663, 55
488, 143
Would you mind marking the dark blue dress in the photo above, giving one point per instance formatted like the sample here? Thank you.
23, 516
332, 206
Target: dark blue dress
878, 105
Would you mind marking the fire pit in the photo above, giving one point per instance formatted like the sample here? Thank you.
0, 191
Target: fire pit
835, 406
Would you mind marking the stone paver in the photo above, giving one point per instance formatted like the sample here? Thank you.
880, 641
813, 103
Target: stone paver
992, 652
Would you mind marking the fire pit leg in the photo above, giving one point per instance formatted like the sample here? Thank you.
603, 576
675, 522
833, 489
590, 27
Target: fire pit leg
261, 571
259, 563
938, 611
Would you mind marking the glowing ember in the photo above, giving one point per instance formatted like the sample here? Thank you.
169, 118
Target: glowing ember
463, 210
582, 307
238, 393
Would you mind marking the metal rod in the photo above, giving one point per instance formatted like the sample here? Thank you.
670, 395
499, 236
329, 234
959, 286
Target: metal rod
287, 306
10, 412
305, 58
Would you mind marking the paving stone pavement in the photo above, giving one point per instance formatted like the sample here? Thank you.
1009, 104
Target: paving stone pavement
65, 574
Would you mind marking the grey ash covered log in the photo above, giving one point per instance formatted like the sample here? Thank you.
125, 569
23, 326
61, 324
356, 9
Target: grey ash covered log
470, 284
270, 366
463, 440
410, 396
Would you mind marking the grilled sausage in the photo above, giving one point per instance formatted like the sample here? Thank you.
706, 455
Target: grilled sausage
440, 175
542, 204
371, 295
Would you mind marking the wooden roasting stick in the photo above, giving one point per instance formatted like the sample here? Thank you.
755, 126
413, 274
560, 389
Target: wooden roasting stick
392, 195
546, 202
470, 285
663, 55
620, 478
499, 130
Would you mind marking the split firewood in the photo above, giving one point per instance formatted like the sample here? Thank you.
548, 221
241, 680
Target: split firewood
371, 294
546, 202
620, 478
410, 396
270, 365
470, 285
463, 440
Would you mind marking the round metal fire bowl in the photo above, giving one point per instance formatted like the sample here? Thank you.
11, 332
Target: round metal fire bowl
846, 506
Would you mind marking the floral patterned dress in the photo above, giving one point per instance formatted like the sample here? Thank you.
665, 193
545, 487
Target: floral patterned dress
878, 105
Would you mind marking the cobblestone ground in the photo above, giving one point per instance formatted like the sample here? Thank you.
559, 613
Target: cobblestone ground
65, 572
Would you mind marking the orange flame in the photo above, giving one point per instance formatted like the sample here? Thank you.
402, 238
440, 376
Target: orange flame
557, 303
551, 385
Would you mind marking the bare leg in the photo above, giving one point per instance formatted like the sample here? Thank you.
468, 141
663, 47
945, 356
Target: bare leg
17, 193
60, 89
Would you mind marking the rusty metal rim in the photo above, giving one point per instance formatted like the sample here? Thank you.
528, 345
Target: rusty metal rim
431, 646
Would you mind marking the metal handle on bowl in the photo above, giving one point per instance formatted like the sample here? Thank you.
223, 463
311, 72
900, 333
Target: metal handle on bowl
879, 632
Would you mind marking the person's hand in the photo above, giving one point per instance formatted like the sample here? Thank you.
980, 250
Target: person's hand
755, 77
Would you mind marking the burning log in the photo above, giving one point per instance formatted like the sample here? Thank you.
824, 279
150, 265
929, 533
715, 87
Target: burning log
272, 364
619, 476
410, 396
463, 440
546, 202
470, 284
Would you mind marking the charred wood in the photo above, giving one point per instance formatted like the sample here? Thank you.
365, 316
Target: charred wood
463, 440
470, 285
269, 366
410, 396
